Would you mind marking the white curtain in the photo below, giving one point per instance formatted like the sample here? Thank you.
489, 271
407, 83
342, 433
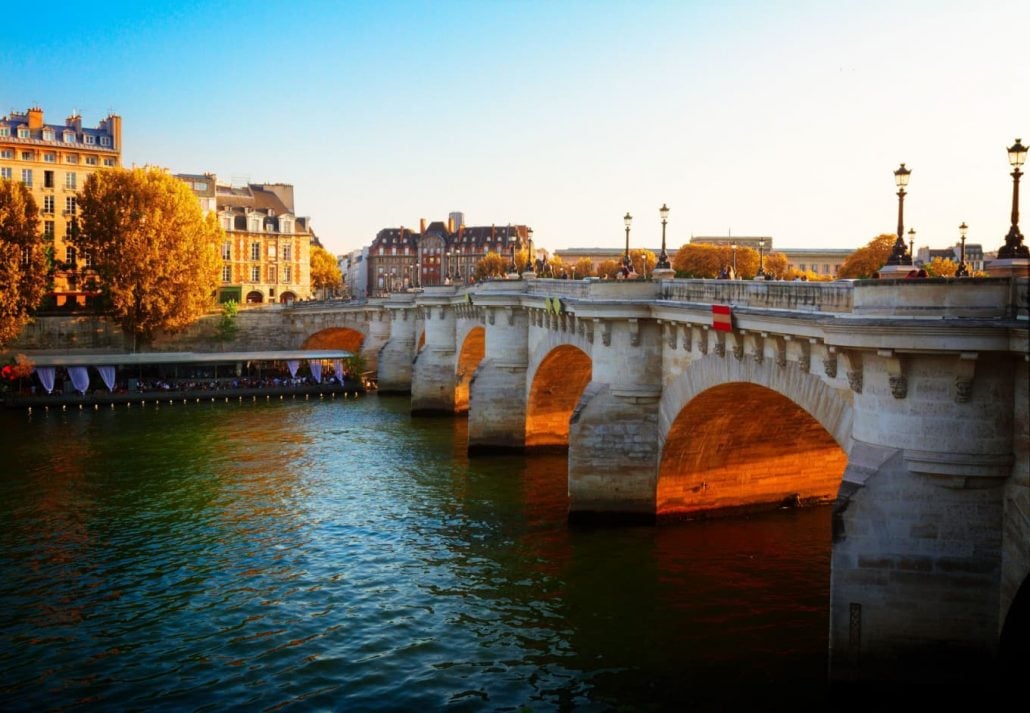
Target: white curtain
338, 368
80, 378
316, 370
293, 365
46, 377
107, 374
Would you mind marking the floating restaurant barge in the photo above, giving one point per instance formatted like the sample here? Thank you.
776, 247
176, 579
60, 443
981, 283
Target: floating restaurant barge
62, 380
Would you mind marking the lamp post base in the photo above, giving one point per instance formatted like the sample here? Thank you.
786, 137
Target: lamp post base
895, 271
663, 273
1008, 267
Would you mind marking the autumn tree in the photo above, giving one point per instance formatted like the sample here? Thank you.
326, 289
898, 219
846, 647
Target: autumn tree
870, 258
325, 271
23, 262
941, 267
490, 265
154, 253
700, 260
609, 268
777, 266
643, 261
584, 267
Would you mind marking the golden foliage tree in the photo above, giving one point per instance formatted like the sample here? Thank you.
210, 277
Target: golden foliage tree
700, 260
870, 258
609, 269
941, 267
643, 261
325, 271
23, 261
777, 266
584, 267
155, 254
490, 265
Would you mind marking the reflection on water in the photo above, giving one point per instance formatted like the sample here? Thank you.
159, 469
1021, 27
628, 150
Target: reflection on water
341, 555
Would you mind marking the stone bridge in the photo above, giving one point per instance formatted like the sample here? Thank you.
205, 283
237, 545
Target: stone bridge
903, 402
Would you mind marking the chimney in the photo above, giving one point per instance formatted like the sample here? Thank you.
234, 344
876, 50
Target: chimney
422, 226
74, 121
35, 118
450, 225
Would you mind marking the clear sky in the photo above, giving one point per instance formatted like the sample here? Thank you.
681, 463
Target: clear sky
777, 117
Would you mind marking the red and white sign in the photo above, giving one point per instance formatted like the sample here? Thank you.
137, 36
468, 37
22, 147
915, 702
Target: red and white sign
722, 318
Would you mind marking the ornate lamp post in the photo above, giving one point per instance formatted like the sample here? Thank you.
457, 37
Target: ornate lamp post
898, 255
514, 268
1014, 247
912, 245
733, 247
663, 259
761, 258
962, 270
530, 260
626, 262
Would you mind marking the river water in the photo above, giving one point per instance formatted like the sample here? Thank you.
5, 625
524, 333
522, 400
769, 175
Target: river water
340, 555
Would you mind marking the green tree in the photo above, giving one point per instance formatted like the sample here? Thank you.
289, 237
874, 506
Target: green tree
155, 255
869, 258
325, 271
23, 261
227, 325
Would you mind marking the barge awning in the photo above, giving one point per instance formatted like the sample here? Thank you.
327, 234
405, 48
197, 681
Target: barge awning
153, 358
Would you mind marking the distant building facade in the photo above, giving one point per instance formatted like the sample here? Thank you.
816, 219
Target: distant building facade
974, 255
353, 267
53, 161
437, 254
266, 252
822, 261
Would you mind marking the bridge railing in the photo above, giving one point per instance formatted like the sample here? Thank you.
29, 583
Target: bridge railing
794, 296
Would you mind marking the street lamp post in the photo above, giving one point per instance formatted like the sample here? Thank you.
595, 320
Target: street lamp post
663, 259
962, 270
1014, 247
530, 261
514, 267
761, 258
912, 245
626, 262
733, 247
898, 255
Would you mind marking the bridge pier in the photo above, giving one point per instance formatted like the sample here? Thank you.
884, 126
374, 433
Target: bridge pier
433, 373
497, 394
395, 358
613, 434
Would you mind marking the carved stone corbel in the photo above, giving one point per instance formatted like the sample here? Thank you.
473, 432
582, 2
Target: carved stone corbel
805, 357
965, 370
702, 340
830, 363
758, 347
895, 373
688, 337
606, 333
590, 330
853, 368
509, 312
443, 311
720, 344
781, 351
671, 329
634, 332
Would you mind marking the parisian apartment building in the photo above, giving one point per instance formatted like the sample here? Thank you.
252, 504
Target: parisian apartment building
54, 160
266, 251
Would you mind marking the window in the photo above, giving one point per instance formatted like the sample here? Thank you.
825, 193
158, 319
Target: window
48, 134
69, 255
89, 138
287, 252
70, 205
70, 180
71, 158
69, 137
5, 131
7, 153
28, 156
271, 251
255, 251
5, 172
271, 273
48, 204
254, 225
26, 255
109, 162
48, 229
226, 273
801, 267
91, 160
48, 179
105, 140
255, 273
826, 269
26, 177
23, 132
50, 157
227, 250
288, 273
285, 225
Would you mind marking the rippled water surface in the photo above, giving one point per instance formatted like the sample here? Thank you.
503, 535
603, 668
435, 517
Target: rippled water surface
338, 555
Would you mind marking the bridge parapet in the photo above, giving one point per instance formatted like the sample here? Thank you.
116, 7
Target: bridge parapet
796, 296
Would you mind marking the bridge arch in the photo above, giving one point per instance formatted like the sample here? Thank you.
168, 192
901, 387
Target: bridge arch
473, 348
558, 383
344, 338
735, 435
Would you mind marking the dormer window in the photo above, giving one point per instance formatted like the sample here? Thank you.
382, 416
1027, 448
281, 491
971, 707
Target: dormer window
23, 132
69, 137
5, 131
105, 140
89, 138
254, 224
48, 134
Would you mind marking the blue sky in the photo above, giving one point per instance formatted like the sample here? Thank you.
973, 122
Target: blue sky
782, 118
